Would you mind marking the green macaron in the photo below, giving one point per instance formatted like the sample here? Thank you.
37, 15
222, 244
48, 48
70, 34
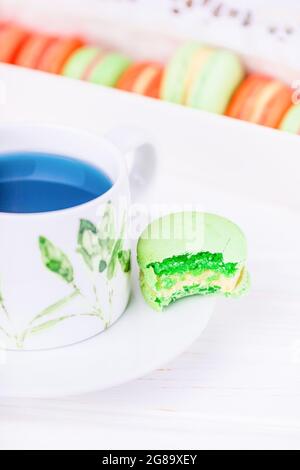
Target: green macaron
79, 61
291, 121
216, 82
109, 69
191, 253
173, 83
202, 77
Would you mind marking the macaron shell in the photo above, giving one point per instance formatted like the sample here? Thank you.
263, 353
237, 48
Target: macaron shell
12, 39
3, 25
142, 78
153, 88
191, 232
243, 97
79, 61
148, 294
243, 285
291, 120
57, 54
250, 111
198, 62
128, 78
212, 93
276, 107
174, 79
108, 71
32, 50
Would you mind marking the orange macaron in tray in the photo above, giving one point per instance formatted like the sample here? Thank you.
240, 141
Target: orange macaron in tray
201, 77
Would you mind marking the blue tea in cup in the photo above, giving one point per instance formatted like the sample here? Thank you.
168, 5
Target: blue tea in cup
32, 182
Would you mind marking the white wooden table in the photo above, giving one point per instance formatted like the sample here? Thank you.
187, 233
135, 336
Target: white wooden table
238, 386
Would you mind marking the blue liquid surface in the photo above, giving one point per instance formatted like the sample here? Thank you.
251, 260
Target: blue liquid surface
38, 182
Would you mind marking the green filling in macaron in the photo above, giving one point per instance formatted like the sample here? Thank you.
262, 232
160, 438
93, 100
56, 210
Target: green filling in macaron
198, 262
187, 291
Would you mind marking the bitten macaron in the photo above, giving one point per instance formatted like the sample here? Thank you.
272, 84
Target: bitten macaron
262, 100
143, 78
191, 253
202, 77
291, 120
12, 38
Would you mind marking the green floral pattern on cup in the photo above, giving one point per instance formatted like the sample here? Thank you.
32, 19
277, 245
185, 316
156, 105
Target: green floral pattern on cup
101, 250
55, 260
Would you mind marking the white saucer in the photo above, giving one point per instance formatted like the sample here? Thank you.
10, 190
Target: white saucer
141, 341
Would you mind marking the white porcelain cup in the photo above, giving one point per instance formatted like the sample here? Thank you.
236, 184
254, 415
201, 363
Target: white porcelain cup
65, 275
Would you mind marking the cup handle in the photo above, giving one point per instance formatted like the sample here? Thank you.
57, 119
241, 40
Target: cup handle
138, 148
